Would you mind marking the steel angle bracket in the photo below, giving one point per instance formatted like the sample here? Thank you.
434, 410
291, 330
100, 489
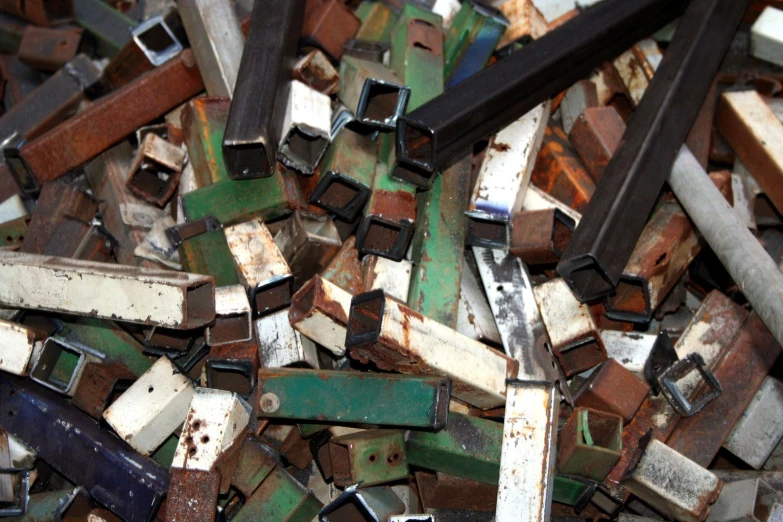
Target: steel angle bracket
510, 293
116, 476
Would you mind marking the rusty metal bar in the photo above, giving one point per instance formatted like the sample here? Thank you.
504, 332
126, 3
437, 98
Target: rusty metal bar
49, 49
105, 123
605, 238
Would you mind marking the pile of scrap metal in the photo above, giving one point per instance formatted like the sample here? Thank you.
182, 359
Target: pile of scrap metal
391, 260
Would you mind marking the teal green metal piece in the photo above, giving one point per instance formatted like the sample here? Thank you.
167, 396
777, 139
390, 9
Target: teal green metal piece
344, 178
233, 202
208, 254
107, 338
256, 461
279, 498
12, 232
591, 443
368, 458
43, 506
110, 28
164, 455
417, 54
203, 125
439, 245
471, 39
572, 491
469, 447
377, 21
344, 397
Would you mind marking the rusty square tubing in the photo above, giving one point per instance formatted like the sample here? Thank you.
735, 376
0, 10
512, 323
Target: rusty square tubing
18, 346
233, 314
663, 253
115, 292
99, 382
53, 102
539, 237
233, 366
315, 70
39, 12
319, 311
572, 329
105, 122
156, 157
595, 136
329, 24
601, 391
395, 337
192, 495
49, 49
590, 444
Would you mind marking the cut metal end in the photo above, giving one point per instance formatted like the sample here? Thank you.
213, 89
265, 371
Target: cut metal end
365, 319
247, 160
586, 278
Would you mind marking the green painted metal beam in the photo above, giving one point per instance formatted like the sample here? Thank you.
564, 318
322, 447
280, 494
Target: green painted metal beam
279, 498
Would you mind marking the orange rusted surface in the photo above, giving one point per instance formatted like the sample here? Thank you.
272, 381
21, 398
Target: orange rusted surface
560, 173
595, 136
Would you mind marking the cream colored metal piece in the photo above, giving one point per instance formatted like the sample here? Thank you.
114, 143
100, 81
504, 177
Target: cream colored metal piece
233, 321
319, 311
215, 419
552, 10
766, 36
306, 128
673, 484
527, 458
537, 199
505, 173
115, 292
12, 208
17, 345
279, 345
524, 21
760, 429
152, 408
411, 343
308, 243
474, 316
393, 277
631, 349
256, 255
157, 247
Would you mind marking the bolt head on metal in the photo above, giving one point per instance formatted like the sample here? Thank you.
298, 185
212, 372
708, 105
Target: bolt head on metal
269, 403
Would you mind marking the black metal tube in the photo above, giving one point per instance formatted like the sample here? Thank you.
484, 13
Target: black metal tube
488, 101
614, 219
255, 120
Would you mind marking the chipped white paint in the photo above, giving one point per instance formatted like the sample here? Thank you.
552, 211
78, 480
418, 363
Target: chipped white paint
631, 72
157, 247
672, 483
308, 113
447, 9
256, 255
478, 372
45, 361
393, 277
760, 429
152, 408
695, 340
215, 419
140, 215
631, 349
578, 97
524, 20
316, 322
279, 345
231, 303
507, 167
766, 36
537, 199
117, 292
551, 10
474, 317
17, 345
22, 456
568, 321
12, 208
527, 459
217, 42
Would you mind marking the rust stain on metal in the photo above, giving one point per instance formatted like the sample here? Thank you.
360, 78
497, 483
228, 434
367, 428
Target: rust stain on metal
559, 171
614, 389
192, 495
112, 118
97, 385
394, 206
329, 24
595, 136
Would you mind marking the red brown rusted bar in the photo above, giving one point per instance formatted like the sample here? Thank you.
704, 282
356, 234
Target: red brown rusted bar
155, 158
49, 49
233, 367
741, 372
595, 136
442, 491
328, 24
192, 495
56, 203
613, 389
560, 173
107, 121
539, 237
98, 385
39, 12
